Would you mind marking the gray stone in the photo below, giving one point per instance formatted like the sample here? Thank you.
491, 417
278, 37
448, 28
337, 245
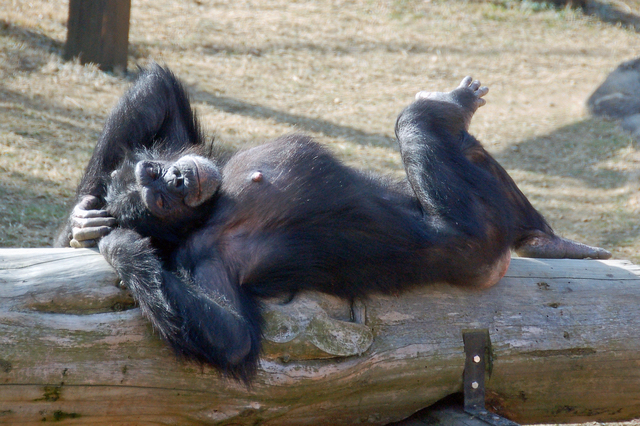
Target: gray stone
619, 96
631, 124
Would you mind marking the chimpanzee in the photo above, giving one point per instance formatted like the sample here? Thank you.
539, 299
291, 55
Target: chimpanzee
199, 244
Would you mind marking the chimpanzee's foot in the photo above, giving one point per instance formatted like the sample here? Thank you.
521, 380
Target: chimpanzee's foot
468, 95
546, 246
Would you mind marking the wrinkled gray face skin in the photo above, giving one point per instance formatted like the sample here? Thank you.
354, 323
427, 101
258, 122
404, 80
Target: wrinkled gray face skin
170, 189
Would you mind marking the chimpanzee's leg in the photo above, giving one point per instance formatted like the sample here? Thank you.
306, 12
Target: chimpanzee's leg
534, 237
467, 198
464, 205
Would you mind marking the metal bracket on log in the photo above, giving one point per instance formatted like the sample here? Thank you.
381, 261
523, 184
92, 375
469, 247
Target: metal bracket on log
477, 349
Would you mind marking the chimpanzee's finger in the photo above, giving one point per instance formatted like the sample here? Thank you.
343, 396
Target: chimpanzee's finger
83, 234
88, 202
78, 212
93, 222
82, 244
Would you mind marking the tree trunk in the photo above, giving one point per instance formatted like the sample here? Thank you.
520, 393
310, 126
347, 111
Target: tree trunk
98, 32
565, 346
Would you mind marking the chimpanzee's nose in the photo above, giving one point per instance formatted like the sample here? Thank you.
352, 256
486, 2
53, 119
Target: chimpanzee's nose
174, 178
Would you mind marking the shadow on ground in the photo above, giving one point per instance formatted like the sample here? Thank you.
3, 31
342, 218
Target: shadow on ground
614, 13
576, 151
304, 124
598, 155
30, 49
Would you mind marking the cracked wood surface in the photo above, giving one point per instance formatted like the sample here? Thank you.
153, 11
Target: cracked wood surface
565, 346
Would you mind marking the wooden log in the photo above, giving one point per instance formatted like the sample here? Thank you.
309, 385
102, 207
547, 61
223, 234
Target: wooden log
565, 347
98, 32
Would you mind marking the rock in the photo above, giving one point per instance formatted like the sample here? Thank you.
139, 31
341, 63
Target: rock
632, 125
618, 97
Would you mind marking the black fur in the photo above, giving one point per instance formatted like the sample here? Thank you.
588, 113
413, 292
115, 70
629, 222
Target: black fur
309, 223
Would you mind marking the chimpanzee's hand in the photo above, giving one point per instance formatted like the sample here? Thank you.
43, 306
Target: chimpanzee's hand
89, 223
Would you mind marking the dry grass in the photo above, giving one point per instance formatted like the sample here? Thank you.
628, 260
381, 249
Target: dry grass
341, 71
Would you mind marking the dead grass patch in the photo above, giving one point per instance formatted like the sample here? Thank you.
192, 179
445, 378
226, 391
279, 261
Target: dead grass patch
340, 71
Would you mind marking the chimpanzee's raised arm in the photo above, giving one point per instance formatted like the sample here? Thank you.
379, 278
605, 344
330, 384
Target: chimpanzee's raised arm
156, 109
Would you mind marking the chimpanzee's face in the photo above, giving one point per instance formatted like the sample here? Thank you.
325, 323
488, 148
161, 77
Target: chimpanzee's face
172, 188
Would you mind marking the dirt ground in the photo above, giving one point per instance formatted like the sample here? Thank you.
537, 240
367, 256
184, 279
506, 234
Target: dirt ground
340, 71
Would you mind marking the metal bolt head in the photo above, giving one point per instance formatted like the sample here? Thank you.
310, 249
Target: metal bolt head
476, 359
475, 385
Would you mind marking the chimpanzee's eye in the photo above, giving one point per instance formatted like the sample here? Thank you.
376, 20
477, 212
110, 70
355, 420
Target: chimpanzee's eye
152, 171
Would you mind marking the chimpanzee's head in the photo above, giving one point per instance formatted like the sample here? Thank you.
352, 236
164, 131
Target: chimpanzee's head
171, 189
163, 197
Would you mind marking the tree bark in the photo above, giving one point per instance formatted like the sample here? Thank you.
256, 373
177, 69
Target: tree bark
98, 32
565, 347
